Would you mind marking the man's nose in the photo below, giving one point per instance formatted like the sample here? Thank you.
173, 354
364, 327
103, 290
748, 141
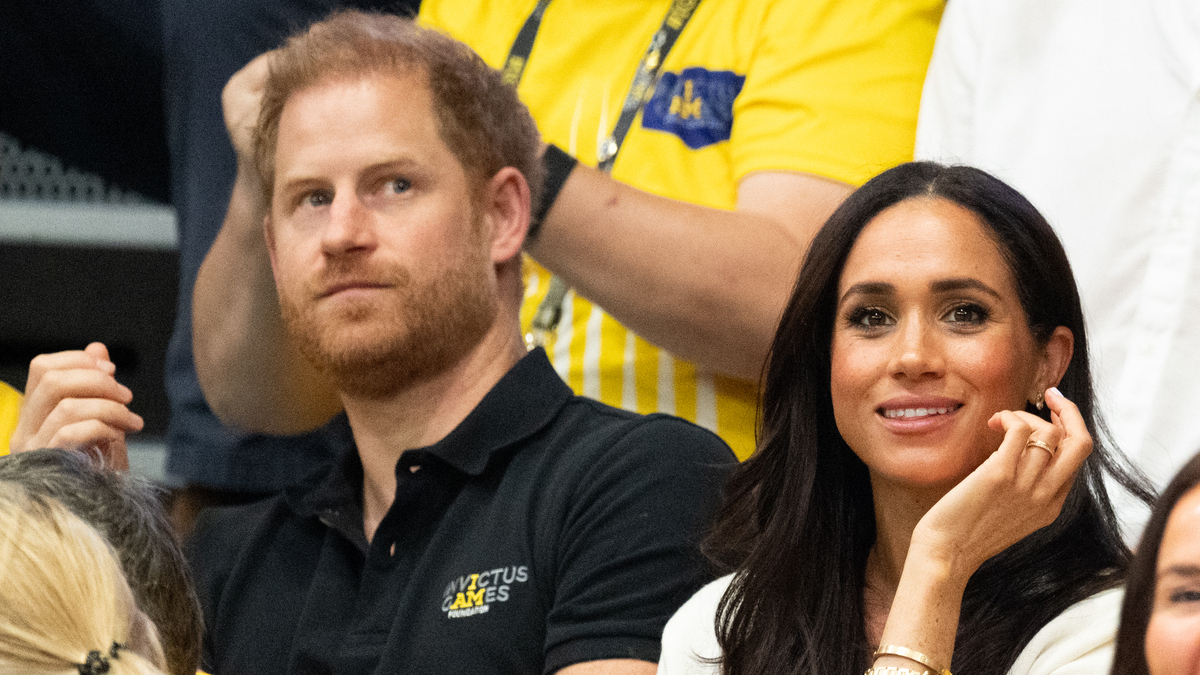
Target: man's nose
350, 226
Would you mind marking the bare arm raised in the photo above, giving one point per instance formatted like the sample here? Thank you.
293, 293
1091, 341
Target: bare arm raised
250, 374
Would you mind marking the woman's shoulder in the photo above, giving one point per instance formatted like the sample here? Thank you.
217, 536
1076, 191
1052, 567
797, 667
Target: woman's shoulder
689, 643
1080, 640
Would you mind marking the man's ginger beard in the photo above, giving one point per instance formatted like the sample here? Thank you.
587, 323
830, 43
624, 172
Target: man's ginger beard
375, 349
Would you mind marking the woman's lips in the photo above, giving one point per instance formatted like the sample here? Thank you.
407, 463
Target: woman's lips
917, 416
915, 412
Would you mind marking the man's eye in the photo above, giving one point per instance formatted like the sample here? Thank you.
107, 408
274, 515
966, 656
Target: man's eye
318, 198
398, 185
967, 314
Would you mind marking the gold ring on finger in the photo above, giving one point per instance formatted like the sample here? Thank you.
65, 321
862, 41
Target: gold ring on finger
1034, 443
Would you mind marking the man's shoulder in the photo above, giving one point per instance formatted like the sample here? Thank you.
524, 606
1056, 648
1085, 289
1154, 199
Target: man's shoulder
594, 453
599, 428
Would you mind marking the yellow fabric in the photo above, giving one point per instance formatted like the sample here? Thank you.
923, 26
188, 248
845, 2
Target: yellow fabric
831, 88
10, 407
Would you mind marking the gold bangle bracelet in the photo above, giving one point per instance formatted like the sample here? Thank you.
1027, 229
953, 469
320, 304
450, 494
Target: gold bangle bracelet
894, 650
894, 670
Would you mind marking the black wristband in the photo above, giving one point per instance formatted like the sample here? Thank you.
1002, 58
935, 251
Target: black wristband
558, 165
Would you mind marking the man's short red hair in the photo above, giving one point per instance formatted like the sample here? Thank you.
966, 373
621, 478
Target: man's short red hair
480, 117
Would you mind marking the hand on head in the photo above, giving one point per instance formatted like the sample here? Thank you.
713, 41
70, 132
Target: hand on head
241, 99
73, 400
1017, 490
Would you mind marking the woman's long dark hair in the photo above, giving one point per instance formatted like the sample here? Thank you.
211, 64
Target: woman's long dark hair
798, 520
1140, 583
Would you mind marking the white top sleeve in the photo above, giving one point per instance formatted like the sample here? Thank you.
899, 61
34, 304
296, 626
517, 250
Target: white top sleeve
1077, 642
689, 642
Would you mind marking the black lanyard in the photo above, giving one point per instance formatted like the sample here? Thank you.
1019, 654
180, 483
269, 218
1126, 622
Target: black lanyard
518, 55
643, 80
549, 311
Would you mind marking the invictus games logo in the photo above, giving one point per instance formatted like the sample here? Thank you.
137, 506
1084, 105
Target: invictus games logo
473, 594
695, 104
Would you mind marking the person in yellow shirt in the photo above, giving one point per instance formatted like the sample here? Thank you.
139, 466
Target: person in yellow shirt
683, 245
73, 400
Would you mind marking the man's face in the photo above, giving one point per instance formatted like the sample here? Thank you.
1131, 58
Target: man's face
380, 258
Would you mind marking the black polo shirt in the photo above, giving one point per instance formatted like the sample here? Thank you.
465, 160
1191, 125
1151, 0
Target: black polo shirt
545, 530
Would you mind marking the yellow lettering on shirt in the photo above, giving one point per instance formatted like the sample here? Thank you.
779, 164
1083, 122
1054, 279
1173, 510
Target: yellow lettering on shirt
475, 599
687, 106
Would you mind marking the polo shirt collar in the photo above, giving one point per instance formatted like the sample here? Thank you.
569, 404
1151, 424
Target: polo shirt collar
523, 402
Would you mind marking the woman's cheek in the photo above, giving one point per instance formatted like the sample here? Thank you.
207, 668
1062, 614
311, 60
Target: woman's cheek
1173, 644
997, 370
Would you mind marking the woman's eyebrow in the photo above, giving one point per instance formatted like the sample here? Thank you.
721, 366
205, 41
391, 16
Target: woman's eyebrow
1186, 571
948, 285
869, 288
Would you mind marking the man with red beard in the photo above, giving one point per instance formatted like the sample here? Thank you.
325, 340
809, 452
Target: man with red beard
482, 518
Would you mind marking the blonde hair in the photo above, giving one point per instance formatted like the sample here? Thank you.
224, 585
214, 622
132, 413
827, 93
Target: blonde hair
63, 596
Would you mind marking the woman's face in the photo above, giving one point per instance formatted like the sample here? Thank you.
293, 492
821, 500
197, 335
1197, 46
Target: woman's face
1173, 635
929, 341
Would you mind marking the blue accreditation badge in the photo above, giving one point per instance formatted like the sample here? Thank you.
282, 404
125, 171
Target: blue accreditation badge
695, 104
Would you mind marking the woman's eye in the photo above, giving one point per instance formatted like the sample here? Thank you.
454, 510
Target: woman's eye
969, 314
398, 185
869, 317
1185, 595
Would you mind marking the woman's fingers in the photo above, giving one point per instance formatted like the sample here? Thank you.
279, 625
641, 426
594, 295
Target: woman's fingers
100, 353
65, 389
43, 364
1028, 447
1017, 490
1051, 452
56, 386
1076, 442
76, 423
101, 441
74, 410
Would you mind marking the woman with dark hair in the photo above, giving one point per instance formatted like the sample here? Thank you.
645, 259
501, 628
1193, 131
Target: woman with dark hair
908, 501
1160, 617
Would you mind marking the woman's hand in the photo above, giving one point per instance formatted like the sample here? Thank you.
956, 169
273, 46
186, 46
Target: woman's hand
73, 400
1017, 490
1020, 488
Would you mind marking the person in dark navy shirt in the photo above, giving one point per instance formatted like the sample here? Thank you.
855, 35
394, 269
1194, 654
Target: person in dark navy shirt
483, 519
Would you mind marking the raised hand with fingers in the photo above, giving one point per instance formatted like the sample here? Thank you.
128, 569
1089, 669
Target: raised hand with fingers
1019, 489
73, 400
240, 100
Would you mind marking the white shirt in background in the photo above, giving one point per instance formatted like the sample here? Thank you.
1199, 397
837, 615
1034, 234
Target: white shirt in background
1091, 108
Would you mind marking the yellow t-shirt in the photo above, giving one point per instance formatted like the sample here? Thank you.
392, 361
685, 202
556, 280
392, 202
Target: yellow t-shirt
826, 87
10, 408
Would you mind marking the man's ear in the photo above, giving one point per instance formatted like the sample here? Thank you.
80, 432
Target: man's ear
506, 213
1056, 356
